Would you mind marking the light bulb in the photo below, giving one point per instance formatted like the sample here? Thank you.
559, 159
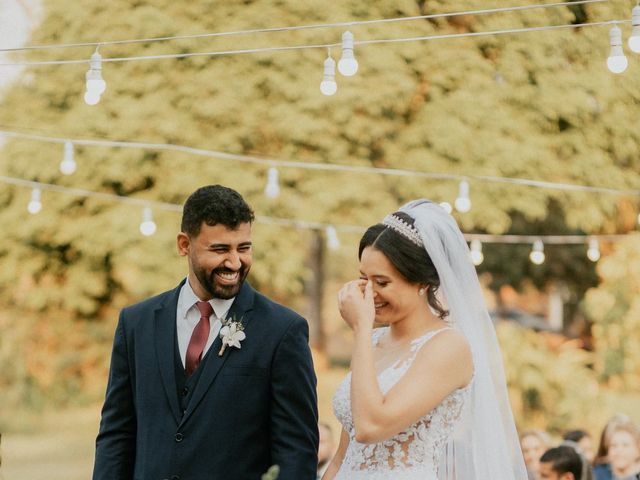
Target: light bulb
593, 253
68, 164
94, 82
463, 203
447, 207
35, 205
272, 190
333, 242
91, 98
476, 252
147, 226
348, 65
617, 62
634, 39
95, 85
94, 75
328, 86
537, 253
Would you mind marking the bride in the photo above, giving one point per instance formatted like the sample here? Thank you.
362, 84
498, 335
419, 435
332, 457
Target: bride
426, 396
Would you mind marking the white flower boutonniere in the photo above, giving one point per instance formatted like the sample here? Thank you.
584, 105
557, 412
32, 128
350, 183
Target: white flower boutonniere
231, 334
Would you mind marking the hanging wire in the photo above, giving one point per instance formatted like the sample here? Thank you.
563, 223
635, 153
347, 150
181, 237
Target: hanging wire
271, 162
324, 46
303, 224
300, 27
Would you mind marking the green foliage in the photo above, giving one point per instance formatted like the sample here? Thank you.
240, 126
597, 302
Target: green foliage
540, 106
510, 265
551, 384
614, 307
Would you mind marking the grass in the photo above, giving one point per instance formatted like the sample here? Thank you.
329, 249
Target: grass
59, 444
54, 445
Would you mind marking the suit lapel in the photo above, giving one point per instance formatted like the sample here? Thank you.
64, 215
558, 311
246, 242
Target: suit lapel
165, 322
240, 309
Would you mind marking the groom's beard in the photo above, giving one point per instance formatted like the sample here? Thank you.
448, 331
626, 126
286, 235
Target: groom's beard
217, 290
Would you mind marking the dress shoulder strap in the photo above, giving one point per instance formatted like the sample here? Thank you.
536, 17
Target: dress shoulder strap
417, 343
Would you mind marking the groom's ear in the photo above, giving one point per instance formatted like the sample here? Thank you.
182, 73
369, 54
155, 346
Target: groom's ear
183, 243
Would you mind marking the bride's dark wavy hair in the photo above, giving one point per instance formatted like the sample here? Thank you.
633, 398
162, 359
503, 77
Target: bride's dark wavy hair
411, 261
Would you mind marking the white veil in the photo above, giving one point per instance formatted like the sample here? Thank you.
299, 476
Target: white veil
485, 443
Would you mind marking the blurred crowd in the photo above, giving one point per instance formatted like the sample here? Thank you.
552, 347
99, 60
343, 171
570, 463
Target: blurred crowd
575, 457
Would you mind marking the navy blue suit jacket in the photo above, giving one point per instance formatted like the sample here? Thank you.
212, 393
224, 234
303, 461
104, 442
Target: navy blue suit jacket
252, 408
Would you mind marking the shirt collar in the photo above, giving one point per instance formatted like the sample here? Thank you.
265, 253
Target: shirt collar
188, 300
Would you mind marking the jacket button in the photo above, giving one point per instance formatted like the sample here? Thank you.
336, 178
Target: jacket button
185, 391
175, 477
179, 437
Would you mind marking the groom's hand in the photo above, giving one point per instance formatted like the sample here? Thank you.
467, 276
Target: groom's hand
355, 300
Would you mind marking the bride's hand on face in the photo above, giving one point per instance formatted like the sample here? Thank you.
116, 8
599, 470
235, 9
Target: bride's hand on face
355, 300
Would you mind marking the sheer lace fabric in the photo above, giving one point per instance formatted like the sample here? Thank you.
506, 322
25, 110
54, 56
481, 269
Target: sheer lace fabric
412, 454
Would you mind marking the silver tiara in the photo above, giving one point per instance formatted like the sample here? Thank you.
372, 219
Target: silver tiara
403, 228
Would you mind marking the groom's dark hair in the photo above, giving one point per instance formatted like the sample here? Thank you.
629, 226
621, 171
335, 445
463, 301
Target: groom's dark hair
213, 205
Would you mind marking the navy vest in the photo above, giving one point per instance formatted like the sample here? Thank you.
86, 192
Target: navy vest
186, 386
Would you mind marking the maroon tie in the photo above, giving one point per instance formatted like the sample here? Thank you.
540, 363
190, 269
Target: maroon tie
199, 338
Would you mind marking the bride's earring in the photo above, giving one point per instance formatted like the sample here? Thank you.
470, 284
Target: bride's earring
422, 291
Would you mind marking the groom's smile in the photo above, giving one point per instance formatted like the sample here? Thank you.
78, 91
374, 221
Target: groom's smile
220, 259
227, 277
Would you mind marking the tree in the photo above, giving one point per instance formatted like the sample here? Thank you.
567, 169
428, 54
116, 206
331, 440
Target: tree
532, 105
614, 307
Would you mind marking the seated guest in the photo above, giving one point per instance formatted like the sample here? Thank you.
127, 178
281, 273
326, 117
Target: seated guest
624, 452
533, 444
602, 468
560, 463
584, 441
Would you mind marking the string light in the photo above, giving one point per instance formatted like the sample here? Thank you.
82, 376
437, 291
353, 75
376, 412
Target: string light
476, 252
593, 253
303, 27
348, 65
272, 190
463, 202
537, 253
447, 207
68, 163
325, 166
333, 242
35, 205
634, 39
324, 46
328, 86
617, 62
147, 226
95, 85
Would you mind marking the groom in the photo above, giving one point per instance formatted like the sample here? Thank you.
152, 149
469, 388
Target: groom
178, 405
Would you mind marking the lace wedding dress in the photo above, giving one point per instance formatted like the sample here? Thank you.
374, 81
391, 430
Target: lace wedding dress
413, 454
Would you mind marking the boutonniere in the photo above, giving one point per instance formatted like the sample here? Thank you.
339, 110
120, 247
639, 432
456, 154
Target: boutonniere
232, 333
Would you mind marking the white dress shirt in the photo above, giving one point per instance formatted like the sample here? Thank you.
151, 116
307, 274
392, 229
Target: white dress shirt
188, 316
